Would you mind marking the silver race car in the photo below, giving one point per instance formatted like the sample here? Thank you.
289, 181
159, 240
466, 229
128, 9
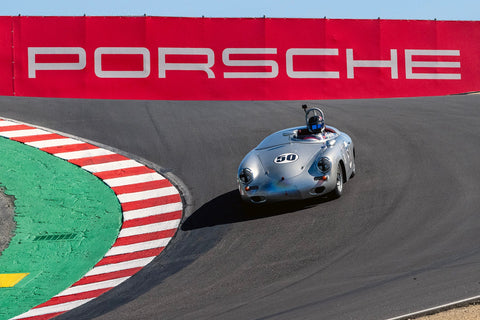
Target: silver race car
298, 163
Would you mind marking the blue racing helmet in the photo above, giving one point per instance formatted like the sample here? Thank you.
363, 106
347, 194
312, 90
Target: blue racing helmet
315, 120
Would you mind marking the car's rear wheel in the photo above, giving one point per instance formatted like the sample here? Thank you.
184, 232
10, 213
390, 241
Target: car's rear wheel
353, 169
337, 192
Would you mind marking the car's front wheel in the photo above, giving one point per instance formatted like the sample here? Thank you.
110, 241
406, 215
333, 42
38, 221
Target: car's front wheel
337, 192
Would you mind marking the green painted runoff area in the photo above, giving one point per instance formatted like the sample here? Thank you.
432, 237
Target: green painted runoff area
66, 220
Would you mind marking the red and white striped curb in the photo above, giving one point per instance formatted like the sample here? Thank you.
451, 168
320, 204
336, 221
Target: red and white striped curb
151, 205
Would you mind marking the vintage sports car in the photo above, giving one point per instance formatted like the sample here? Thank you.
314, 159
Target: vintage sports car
298, 163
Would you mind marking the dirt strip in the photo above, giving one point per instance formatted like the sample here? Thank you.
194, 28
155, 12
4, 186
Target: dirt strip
7, 224
464, 313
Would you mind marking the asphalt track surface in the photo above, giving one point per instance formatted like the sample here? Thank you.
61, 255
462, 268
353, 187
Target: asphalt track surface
403, 237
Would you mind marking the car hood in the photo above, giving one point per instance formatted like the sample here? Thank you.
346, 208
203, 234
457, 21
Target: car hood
288, 160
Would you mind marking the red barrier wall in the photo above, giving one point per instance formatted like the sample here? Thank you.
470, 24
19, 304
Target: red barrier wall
6, 59
236, 58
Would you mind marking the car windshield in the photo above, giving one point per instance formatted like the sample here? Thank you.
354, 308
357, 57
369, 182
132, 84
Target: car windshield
298, 134
303, 135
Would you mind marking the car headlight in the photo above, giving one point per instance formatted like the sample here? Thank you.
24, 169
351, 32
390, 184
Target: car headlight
246, 175
324, 164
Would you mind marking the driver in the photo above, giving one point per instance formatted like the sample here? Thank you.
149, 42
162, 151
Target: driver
316, 124
315, 120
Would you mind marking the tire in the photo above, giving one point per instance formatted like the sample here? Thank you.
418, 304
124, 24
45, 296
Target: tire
337, 192
354, 168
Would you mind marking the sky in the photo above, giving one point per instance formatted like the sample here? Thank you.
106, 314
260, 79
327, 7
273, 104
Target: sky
340, 9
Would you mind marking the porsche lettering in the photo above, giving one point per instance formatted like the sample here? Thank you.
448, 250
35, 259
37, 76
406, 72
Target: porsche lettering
236, 65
